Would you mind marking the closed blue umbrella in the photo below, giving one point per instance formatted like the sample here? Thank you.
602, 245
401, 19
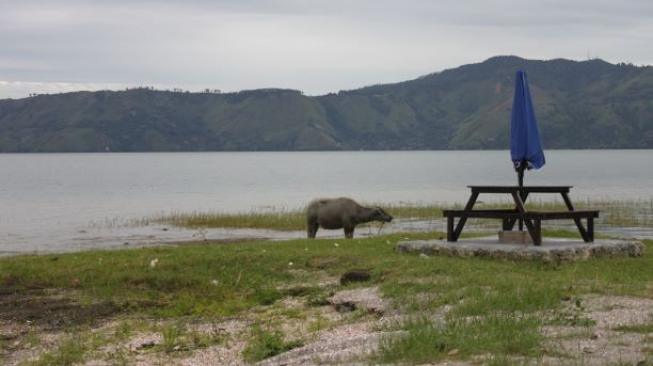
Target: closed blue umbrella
525, 146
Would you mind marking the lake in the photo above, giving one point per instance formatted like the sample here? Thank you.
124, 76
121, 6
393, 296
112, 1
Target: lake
55, 202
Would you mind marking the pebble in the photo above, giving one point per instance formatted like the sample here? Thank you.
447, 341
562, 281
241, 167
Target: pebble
146, 344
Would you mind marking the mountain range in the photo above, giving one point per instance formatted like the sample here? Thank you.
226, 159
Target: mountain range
579, 105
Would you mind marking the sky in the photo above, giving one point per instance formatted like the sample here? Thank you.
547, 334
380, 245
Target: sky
51, 46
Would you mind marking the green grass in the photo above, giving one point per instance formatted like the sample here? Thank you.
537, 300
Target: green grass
491, 301
177, 338
497, 333
613, 212
71, 351
209, 280
266, 343
171, 335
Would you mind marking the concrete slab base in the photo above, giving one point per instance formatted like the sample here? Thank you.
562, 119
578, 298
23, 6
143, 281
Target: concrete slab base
552, 249
515, 237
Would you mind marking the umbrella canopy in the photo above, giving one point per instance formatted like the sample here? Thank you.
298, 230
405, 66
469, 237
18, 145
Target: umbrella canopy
525, 146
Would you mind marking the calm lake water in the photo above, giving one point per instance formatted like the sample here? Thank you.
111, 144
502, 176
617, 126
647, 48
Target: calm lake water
55, 202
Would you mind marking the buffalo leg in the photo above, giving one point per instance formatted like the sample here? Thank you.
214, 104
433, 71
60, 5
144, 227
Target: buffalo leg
312, 229
349, 232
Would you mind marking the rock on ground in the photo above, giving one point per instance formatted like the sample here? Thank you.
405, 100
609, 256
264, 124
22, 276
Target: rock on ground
367, 298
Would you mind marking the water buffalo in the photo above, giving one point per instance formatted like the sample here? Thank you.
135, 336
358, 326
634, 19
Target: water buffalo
338, 213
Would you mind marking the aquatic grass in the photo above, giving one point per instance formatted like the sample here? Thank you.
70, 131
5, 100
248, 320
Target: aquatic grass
282, 219
631, 213
276, 218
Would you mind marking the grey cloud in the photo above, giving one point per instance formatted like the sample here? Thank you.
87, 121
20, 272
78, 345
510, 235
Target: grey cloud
316, 46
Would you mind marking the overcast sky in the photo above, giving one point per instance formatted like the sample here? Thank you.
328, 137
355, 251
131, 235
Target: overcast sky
314, 46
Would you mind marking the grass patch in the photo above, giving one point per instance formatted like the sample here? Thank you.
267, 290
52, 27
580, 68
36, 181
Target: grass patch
171, 334
265, 344
176, 337
318, 324
496, 333
638, 328
194, 280
71, 351
492, 302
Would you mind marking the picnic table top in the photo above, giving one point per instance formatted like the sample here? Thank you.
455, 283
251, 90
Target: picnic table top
530, 189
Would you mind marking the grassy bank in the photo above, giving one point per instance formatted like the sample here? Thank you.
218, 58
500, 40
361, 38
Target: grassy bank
496, 307
613, 212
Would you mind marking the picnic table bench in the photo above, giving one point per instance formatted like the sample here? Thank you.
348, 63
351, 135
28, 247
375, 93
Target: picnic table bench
532, 219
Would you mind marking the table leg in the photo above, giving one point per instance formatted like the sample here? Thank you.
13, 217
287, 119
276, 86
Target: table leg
537, 240
590, 229
450, 229
529, 225
577, 221
463, 218
524, 196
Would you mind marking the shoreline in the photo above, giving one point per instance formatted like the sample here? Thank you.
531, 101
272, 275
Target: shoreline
166, 236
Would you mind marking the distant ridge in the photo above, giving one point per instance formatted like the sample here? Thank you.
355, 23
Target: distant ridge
587, 104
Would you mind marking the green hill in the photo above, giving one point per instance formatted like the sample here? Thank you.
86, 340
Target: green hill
589, 104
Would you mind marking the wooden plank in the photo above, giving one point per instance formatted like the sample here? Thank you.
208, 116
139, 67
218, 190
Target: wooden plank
529, 189
577, 221
461, 223
511, 223
561, 215
538, 232
498, 212
485, 214
529, 225
524, 195
511, 214
506, 224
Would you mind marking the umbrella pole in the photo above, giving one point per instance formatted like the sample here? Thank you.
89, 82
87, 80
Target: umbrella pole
520, 178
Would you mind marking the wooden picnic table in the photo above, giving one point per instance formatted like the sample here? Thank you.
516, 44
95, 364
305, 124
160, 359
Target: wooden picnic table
532, 219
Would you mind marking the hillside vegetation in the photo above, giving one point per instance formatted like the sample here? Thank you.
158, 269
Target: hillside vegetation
589, 104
